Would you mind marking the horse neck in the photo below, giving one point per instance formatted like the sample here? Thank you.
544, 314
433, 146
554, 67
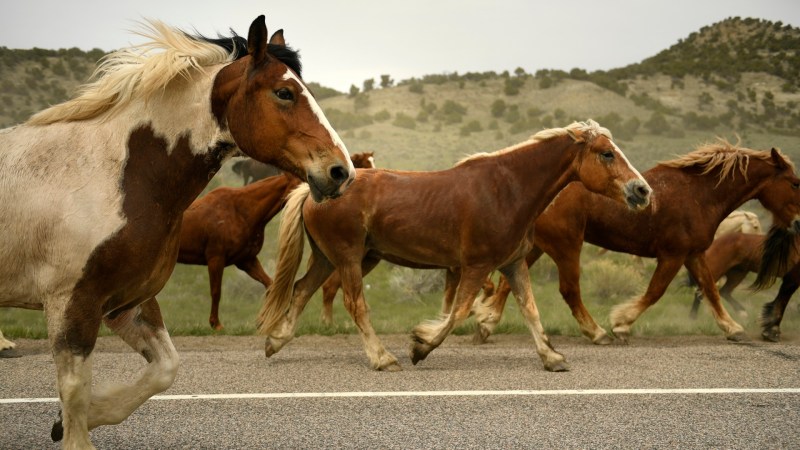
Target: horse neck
733, 191
268, 196
535, 174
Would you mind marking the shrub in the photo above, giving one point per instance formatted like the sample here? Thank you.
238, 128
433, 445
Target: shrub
609, 282
404, 121
472, 126
382, 116
413, 284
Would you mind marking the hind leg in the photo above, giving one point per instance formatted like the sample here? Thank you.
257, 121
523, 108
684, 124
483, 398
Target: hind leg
5, 345
255, 270
216, 267
622, 316
733, 279
319, 269
329, 290
356, 305
699, 270
430, 334
772, 313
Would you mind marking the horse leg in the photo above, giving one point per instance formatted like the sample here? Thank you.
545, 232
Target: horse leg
253, 268
772, 313
72, 333
5, 344
451, 278
430, 334
698, 297
567, 260
216, 267
699, 269
733, 278
356, 305
519, 280
329, 290
622, 316
142, 328
489, 311
319, 269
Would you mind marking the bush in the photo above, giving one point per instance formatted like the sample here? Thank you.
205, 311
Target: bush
404, 121
609, 282
472, 126
412, 284
382, 116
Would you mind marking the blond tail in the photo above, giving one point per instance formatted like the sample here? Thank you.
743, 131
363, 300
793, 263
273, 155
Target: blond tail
278, 297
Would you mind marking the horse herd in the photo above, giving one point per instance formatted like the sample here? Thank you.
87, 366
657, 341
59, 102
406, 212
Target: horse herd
98, 205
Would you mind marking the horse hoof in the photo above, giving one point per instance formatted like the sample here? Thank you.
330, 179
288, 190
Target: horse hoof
217, 327
771, 335
623, 337
57, 432
419, 351
480, 337
739, 336
603, 340
392, 367
560, 366
268, 350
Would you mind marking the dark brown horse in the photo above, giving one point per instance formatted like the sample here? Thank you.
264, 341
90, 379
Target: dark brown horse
251, 170
735, 255
93, 191
692, 195
226, 227
438, 219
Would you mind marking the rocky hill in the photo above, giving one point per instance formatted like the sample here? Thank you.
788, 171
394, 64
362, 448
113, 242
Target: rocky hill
736, 77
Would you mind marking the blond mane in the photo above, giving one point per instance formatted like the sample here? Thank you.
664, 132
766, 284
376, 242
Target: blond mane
723, 155
579, 131
136, 72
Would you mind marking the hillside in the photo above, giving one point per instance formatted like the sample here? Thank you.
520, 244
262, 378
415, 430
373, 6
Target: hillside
736, 77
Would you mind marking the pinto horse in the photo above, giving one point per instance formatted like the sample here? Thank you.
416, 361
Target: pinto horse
438, 219
94, 189
717, 177
226, 227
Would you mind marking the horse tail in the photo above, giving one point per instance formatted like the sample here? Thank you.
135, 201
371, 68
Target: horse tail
776, 256
278, 297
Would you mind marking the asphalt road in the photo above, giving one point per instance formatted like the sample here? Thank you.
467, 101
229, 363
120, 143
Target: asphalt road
643, 395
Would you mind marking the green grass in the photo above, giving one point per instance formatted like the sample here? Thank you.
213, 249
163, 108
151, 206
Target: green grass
185, 306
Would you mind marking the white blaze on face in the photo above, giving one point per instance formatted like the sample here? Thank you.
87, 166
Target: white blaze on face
337, 141
371, 160
625, 158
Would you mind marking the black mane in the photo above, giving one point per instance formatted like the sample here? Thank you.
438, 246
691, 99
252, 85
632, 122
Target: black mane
237, 46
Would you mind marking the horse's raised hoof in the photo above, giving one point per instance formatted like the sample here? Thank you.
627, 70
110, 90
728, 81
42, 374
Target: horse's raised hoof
419, 350
268, 350
559, 366
623, 337
739, 336
57, 432
771, 334
10, 353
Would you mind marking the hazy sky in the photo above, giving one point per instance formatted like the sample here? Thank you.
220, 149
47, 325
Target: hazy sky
346, 42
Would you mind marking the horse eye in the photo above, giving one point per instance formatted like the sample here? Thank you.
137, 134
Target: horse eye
284, 94
607, 155
796, 185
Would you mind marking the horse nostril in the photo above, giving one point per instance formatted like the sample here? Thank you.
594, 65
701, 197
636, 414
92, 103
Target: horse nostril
642, 191
339, 174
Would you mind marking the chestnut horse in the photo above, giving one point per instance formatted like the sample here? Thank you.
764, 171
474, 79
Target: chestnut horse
94, 189
438, 219
226, 227
717, 178
737, 254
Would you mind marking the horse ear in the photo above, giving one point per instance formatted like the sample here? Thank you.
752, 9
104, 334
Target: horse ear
277, 38
257, 40
780, 163
575, 135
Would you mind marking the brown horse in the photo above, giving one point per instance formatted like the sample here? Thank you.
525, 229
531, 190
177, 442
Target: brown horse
717, 178
226, 227
438, 219
735, 255
93, 191
251, 170
732, 255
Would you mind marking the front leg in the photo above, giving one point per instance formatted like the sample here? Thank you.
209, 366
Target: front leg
519, 281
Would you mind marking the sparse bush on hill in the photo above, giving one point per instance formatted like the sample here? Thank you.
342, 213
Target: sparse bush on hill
472, 126
609, 282
346, 120
404, 121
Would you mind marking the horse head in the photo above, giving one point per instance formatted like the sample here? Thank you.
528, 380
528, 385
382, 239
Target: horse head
263, 102
603, 168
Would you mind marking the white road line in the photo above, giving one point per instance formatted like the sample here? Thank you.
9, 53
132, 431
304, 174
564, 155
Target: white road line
512, 393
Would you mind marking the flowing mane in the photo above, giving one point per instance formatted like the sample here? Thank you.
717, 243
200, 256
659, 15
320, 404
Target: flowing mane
723, 155
579, 131
143, 70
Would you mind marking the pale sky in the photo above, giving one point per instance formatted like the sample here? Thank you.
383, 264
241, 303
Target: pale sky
346, 42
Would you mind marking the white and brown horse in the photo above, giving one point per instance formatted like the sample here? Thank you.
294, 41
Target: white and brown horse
438, 219
93, 191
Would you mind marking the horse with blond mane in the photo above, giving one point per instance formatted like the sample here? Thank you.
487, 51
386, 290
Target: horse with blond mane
438, 219
717, 178
94, 190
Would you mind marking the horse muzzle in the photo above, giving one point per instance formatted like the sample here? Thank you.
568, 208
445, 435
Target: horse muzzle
330, 184
637, 194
